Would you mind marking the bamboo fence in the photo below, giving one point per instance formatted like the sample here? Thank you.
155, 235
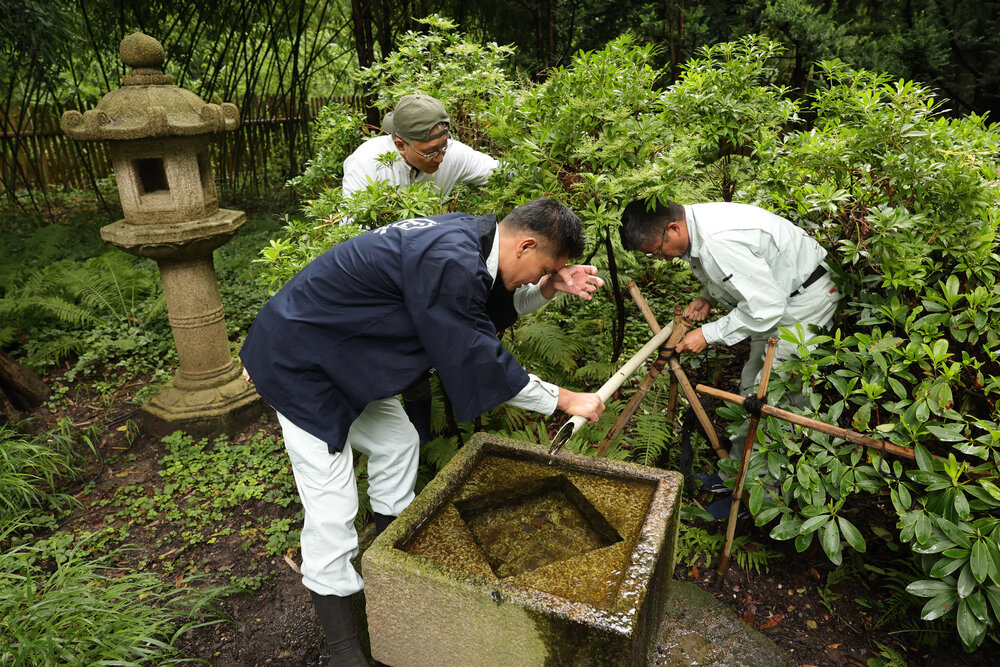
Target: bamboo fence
36, 156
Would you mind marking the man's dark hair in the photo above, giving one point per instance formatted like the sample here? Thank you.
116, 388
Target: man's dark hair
558, 227
643, 224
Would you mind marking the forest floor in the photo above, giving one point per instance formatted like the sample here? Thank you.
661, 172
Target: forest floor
799, 601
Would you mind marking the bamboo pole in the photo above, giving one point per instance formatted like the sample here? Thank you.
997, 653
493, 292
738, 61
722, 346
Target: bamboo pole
699, 411
567, 430
679, 377
644, 308
734, 507
680, 326
837, 431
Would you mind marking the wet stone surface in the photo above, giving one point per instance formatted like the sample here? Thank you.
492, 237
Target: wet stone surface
697, 629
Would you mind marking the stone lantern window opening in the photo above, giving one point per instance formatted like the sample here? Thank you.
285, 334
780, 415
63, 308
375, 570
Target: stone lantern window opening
150, 176
205, 172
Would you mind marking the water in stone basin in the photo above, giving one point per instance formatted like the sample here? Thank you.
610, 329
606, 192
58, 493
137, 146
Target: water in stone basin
535, 524
558, 530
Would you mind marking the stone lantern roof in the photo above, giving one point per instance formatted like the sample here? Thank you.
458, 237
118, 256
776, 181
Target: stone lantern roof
148, 105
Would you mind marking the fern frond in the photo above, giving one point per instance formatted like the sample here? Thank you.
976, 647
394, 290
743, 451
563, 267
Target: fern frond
509, 419
544, 347
54, 350
41, 307
439, 451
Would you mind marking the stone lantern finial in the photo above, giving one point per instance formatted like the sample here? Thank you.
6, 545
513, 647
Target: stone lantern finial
145, 55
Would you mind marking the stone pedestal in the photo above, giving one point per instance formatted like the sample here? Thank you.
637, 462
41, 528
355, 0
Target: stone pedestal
511, 556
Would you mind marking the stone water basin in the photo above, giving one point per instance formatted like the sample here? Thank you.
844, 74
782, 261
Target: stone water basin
513, 556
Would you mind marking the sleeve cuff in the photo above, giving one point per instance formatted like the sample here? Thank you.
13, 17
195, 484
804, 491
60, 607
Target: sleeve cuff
529, 298
537, 395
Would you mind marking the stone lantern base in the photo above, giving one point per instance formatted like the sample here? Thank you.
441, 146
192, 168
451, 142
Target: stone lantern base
227, 405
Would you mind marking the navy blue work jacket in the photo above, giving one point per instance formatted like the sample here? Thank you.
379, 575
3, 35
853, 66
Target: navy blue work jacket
369, 317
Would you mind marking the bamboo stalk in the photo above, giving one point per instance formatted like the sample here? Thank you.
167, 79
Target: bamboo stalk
680, 326
672, 398
644, 308
741, 474
699, 411
837, 431
567, 430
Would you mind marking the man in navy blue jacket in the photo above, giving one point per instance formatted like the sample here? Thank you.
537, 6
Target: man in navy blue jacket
369, 318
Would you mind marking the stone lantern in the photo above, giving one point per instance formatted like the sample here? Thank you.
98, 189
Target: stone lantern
158, 136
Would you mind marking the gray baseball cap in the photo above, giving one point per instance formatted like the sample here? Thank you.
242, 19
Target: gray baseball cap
415, 116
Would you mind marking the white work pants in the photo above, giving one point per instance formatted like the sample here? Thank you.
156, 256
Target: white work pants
816, 306
329, 492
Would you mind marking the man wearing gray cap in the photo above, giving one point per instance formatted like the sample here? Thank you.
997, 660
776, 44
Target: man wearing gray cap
419, 136
419, 139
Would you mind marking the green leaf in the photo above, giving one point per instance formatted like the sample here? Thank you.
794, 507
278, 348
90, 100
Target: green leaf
756, 498
970, 628
803, 541
980, 560
977, 605
945, 566
954, 532
787, 528
928, 588
767, 515
831, 543
852, 535
923, 529
966, 582
993, 595
991, 488
938, 606
945, 434
924, 459
815, 523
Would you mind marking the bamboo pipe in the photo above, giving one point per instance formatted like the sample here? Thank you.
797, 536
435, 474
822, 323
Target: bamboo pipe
850, 436
680, 326
567, 430
734, 507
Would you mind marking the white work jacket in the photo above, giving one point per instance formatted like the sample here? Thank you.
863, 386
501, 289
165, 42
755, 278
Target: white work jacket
460, 164
750, 260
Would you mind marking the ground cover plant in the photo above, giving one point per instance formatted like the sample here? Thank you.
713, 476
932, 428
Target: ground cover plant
81, 583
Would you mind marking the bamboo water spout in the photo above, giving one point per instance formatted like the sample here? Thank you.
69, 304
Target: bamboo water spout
567, 430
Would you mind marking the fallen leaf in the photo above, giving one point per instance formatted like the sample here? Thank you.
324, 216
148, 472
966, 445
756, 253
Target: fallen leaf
773, 621
291, 564
811, 624
694, 571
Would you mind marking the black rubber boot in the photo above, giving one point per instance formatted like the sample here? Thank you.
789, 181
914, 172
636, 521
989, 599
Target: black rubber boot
382, 522
337, 618
417, 405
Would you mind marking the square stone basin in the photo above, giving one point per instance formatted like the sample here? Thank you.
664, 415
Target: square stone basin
511, 556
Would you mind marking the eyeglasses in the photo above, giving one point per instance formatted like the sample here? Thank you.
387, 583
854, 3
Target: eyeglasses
658, 253
428, 156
